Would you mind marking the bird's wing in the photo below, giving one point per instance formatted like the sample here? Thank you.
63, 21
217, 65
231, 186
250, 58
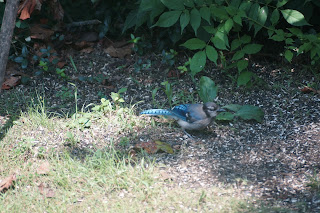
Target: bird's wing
195, 113
181, 111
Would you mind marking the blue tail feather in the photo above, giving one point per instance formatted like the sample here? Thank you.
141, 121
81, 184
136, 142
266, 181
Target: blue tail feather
163, 112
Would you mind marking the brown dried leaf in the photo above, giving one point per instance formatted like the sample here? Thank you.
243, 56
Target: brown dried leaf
46, 191
149, 147
61, 64
10, 82
307, 89
7, 182
38, 32
44, 168
87, 50
27, 7
120, 52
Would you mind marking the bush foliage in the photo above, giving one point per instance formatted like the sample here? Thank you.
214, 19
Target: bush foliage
217, 26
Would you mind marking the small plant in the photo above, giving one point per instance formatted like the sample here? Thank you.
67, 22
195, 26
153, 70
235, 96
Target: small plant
65, 94
41, 153
185, 67
140, 46
314, 181
116, 96
44, 66
104, 107
141, 65
22, 58
168, 91
154, 93
61, 73
124, 141
168, 58
70, 139
92, 79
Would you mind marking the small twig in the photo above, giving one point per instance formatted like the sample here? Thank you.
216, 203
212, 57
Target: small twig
82, 23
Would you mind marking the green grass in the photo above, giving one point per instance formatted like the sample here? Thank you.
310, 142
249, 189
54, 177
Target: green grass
103, 178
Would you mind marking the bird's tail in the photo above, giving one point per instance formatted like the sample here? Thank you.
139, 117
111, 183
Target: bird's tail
163, 112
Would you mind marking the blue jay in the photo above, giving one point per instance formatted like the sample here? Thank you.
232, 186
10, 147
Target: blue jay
189, 116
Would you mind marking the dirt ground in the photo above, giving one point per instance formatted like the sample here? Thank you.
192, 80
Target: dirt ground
270, 161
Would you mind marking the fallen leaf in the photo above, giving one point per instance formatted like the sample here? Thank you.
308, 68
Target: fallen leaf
10, 82
164, 147
149, 147
7, 182
46, 191
44, 168
153, 147
87, 50
119, 52
27, 7
38, 32
307, 89
61, 64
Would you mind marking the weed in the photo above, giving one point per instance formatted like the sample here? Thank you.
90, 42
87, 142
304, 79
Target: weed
168, 58
65, 94
61, 73
116, 96
168, 91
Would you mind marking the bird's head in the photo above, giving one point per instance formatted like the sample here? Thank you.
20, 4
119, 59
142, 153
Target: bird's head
212, 109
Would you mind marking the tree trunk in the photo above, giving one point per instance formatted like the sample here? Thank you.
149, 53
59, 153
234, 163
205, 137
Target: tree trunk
8, 24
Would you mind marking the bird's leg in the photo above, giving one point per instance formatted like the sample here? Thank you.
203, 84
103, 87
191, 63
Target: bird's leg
190, 136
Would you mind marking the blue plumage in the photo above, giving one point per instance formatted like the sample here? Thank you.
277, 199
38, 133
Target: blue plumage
189, 116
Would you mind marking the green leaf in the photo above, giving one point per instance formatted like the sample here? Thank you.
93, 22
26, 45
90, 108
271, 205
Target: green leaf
231, 10
168, 19
275, 17
220, 40
194, 44
173, 5
148, 5
244, 78
245, 39
249, 112
239, 54
288, 55
164, 147
294, 17
208, 90
219, 12
198, 62
237, 19
296, 31
205, 13
252, 48
184, 19
210, 29
262, 15
225, 116
242, 64
189, 3
280, 3
235, 44
212, 53
195, 19
228, 25
130, 20
233, 107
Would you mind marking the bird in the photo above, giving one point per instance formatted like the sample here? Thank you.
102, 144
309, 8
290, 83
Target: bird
189, 116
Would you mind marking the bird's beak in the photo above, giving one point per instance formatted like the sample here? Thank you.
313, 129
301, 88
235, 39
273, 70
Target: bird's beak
221, 110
